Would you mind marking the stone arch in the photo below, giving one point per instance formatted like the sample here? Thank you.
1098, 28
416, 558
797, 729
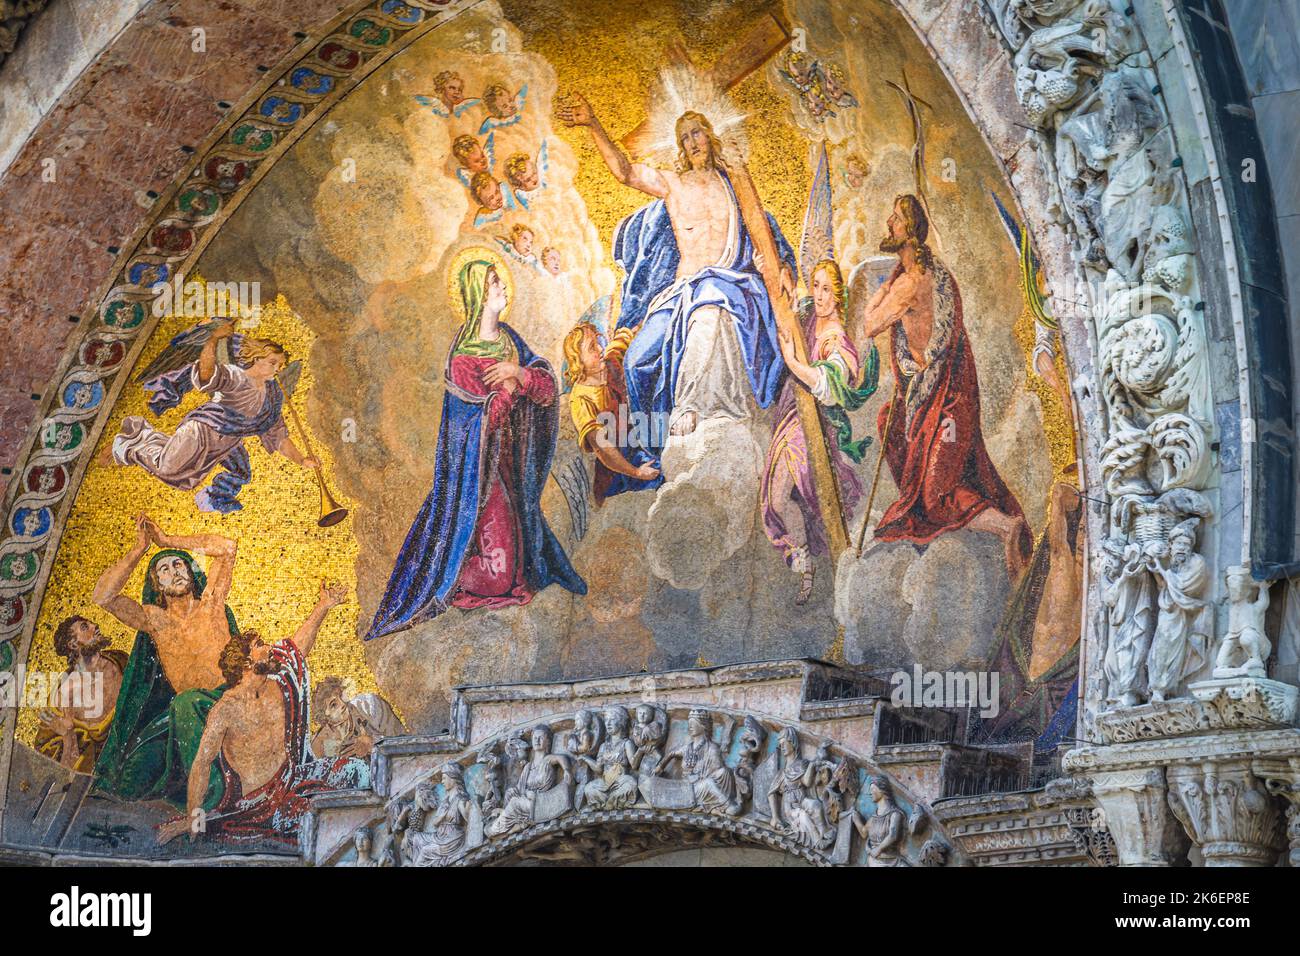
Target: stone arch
662, 817
982, 67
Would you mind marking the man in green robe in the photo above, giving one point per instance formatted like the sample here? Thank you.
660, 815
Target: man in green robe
171, 679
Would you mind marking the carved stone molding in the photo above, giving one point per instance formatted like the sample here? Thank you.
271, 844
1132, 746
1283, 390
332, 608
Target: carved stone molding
1057, 826
618, 778
1088, 86
1136, 814
1216, 705
1227, 811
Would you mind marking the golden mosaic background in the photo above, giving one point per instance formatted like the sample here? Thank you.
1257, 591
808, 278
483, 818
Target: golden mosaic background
283, 555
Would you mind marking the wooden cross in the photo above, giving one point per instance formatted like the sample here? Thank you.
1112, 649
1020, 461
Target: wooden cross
758, 45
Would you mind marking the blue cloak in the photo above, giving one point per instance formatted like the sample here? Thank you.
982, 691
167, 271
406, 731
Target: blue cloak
646, 248
424, 578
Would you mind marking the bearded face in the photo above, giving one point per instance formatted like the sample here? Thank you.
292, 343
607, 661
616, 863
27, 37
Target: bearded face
174, 577
89, 640
897, 236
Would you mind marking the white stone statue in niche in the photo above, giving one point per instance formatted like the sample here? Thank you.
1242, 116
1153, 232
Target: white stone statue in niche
1245, 648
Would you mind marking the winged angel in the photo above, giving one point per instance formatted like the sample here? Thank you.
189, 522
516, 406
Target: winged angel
249, 379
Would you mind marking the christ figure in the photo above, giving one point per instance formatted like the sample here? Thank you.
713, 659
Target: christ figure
707, 346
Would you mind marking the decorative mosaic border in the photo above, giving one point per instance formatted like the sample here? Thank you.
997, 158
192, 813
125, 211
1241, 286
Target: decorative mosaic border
235, 157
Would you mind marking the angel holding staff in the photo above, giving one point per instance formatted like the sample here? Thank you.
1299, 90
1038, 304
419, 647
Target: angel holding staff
247, 401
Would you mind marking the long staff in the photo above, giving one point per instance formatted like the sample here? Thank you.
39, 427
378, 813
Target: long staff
875, 480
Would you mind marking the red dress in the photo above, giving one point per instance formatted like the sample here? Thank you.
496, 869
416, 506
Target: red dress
492, 573
934, 445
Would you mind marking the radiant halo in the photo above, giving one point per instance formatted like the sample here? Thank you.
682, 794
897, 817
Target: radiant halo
483, 254
679, 89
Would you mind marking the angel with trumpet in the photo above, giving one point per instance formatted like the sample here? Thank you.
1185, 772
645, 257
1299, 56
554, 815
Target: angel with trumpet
249, 381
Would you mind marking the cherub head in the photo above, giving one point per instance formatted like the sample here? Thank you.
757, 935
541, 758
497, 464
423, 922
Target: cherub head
469, 153
449, 87
521, 239
487, 191
521, 172
856, 170
551, 260
500, 102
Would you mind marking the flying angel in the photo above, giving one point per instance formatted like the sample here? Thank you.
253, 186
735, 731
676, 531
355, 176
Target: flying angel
249, 379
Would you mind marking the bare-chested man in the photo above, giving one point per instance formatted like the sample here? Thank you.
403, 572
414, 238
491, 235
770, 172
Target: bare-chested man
173, 676
931, 431
189, 630
707, 344
257, 734
77, 723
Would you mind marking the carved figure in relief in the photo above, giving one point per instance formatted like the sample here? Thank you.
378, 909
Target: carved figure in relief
885, 829
649, 731
451, 816
792, 799
614, 785
713, 783
1127, 591
1177, 648
540, 772
1245, 648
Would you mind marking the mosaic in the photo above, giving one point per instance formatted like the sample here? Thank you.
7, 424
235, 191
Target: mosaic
587, 341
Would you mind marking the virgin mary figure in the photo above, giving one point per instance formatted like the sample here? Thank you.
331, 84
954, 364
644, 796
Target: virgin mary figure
480, 540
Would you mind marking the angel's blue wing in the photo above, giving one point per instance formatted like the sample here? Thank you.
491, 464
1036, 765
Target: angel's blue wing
434, 105
181, 351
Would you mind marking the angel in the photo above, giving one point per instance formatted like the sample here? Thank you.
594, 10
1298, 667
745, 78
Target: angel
472, 157
799, 70
527, 175
493, 201
249, 382
834, 86
449, 100
518, 245
504, 108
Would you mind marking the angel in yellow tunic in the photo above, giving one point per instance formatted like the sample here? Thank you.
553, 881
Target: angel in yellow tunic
598, 404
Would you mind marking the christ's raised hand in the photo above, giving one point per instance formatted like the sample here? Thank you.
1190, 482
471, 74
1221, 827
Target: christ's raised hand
574, 110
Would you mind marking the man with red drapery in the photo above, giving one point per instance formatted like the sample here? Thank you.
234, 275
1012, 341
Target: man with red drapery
930, 431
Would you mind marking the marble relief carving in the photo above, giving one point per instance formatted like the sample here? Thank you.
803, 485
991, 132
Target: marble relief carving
764, 785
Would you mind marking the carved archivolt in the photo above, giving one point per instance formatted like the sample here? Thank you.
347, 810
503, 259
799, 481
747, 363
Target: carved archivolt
620, 782
1086, 82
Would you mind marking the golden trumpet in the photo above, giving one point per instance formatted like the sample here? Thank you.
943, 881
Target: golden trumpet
331, 512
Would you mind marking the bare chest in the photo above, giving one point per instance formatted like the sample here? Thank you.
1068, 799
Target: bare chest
700, 210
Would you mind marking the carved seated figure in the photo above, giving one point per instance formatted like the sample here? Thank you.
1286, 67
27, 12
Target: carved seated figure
792, 799
613, 786
713, 784
451, 818
582, 743
649, 730
540, 773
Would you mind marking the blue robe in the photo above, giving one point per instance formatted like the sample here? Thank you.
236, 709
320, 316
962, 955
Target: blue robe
646, 248
428, 567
